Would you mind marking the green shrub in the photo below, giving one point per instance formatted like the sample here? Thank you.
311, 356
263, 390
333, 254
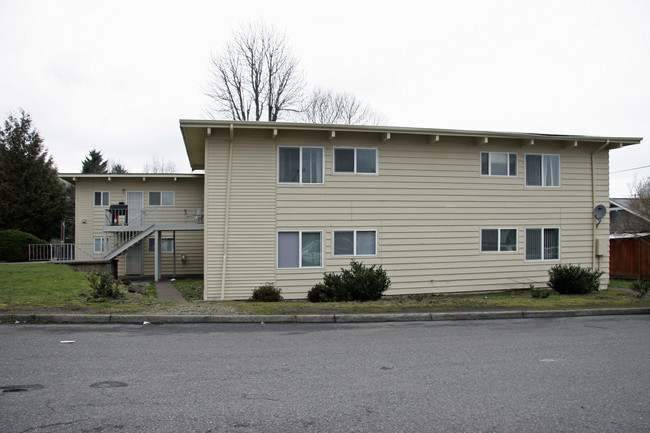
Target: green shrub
359, 283
641, 288
14, 245
573, 279
104, 286
266, 293
322, 293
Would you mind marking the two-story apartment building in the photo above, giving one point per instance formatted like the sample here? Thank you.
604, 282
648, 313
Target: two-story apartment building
440, 210
152, 222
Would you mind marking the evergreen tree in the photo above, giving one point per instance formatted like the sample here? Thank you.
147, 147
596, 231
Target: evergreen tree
32, 198
94, 163
117, 168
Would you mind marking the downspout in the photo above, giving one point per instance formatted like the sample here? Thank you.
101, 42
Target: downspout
593, 205
224, 260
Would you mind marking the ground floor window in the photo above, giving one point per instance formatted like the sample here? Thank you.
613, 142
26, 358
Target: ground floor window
300, 249
100, 245
543, 244
166, 245
498, 240
355, 242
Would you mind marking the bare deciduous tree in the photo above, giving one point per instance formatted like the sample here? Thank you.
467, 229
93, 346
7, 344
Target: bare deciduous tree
256, 74
640, 203
327, 106
159, 166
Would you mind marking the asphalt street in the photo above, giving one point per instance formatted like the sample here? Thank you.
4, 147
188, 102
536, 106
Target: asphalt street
581, 374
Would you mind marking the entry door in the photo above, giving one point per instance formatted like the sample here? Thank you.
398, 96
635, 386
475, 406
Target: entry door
134, 259
134, 199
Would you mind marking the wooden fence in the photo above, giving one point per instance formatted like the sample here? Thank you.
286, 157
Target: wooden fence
629, 258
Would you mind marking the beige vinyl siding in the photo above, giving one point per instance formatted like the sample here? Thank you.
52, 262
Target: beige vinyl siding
188, 193
428, 204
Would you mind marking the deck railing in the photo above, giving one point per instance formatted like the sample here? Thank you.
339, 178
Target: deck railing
59, 252
118, 217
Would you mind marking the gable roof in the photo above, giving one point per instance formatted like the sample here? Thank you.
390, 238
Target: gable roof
195, 133
626, 205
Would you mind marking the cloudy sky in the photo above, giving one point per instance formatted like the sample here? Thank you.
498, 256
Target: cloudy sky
118, 75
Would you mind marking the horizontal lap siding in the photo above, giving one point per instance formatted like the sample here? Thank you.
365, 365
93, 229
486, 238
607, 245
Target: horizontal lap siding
251, 234
188, 193
428, 204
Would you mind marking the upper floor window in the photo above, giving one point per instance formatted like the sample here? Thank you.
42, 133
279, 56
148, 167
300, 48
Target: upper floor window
355, 160
102, 198
355, 242
161, 198
498, 164
495, 240
542, 170
300, 164
543, 244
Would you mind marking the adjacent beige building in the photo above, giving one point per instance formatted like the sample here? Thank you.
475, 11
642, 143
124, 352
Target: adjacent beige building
440, 210
151, 223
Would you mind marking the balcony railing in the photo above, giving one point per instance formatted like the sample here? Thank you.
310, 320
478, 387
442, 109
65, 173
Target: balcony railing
136, 218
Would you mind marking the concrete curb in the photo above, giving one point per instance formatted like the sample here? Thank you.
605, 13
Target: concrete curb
316, 318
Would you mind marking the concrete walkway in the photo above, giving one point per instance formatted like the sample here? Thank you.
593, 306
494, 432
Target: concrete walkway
166, 292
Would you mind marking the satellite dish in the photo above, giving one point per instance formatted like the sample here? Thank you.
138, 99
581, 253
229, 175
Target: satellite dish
599, 212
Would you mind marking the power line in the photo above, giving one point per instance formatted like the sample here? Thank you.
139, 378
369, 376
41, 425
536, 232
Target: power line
630, 169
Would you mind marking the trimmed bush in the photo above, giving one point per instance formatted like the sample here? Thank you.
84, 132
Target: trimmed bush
641, 288
266, 293
359, 283
14, 245
573, 279
104, 286
322, 293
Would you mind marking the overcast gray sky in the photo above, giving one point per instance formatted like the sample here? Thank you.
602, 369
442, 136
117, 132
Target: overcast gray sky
118, 75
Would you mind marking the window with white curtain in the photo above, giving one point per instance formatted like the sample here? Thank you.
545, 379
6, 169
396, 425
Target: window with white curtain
300, 164
542, 170
100, 245
355, 242
355, 160
498, 240
300, 249
543, 244
498, 164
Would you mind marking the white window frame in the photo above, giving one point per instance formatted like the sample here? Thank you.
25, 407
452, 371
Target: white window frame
489, 173
300, 182
499, 250
102, 203
151, 246
173, 193
103, 242
542, 259
354, 242
300, 265
559, 170
375, 173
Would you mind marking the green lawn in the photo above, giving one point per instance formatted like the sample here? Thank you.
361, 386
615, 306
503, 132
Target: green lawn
47, 287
